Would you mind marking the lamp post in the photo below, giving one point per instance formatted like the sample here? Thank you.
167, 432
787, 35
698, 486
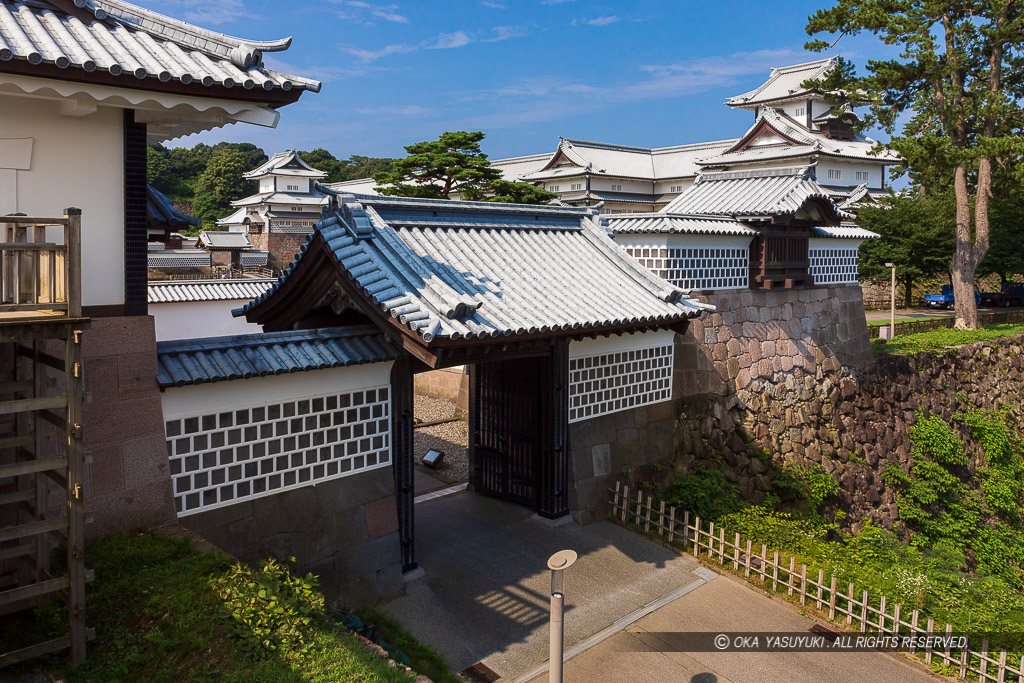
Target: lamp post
558, 563
892, 311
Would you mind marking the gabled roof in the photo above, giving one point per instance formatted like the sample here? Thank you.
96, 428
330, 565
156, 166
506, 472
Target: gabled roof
160, 212
218, 239
285, 163
844, 231
784, 83
314, 201
196, 361
173, 291
614, 161
630, 223
237, 217
452, 272
776, 135
118, 43
757, 193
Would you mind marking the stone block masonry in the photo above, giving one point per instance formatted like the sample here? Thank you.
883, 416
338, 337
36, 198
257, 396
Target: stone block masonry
282, 246
343, 530
128, 483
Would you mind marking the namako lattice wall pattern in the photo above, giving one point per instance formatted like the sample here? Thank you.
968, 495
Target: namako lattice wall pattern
829, 266
222, 458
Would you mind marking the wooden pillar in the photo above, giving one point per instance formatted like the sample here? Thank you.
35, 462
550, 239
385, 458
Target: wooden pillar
473, 427
76, 509
553, 498
402, 456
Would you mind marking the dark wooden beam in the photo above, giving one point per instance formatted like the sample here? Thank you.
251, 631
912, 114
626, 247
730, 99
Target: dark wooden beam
402, 457
553, 498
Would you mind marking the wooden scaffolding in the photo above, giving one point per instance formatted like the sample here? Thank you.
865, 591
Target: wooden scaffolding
41, 456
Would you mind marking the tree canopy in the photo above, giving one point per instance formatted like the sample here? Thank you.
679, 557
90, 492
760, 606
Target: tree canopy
219, 184
950, 101
511, 192
340, 170
915, 235
437, 168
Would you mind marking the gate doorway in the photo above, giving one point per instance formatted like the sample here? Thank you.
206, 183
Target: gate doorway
508, 432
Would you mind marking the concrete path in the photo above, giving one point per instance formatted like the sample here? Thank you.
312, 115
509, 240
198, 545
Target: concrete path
925, 313
724, 605
424, 481
485, 595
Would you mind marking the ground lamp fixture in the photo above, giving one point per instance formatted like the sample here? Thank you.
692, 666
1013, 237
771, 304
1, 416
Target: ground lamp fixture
433, 458
558, 563
892, 311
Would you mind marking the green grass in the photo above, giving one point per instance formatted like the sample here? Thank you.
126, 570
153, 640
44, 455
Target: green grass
943, 338
424, 660
157, 619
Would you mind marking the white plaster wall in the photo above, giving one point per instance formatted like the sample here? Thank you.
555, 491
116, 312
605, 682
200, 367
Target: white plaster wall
849, 169
626, 342
302, 184
642, 186
76, 161
832, 243
642, 240
200, 399
197, 319
664, 186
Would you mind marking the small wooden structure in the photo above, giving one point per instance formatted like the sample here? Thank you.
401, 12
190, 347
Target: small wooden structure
41, 328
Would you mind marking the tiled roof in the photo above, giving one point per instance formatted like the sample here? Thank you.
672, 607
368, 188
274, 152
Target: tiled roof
313, 201
195, 361
607, 196
754, 193
784, 82
462, 270
659, 222
234, 218
844, 231
160, 211
136, 45
807, 142
219, 239
614, 161
168, 291
285, 163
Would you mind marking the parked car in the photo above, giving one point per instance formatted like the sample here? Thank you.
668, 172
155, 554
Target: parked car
945, 298
1011, 294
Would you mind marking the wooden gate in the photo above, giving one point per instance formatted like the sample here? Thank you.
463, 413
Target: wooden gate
509, 406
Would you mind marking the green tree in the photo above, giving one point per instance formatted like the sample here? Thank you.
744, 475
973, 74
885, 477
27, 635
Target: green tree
437, 168
511, 192
950, 100
340, 170
1006, 253
220, 184
915, 235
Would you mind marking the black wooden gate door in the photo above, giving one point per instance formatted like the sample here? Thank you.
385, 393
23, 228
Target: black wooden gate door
509, 425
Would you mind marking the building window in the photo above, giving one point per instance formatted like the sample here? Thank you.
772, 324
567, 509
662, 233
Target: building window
576, 186
297, 209
800, 111
833, 266
293, 187
862, 176
619, 380
835, 174
553, 188
675, 188
236, 455
616, 188
703, 268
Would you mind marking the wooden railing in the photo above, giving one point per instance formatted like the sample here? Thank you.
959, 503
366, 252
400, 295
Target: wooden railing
776, 572
37, 275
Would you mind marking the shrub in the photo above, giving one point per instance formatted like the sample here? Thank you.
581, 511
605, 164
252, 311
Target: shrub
268, 609
706, 493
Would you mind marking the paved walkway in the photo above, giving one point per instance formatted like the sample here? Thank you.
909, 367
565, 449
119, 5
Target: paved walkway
640, 654
485, 595
905, 315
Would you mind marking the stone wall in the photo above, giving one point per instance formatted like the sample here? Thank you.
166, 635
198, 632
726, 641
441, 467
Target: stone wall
282, 246
343, 530
450, 384
128, 483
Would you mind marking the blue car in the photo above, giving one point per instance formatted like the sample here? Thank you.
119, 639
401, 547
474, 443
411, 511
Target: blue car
945, 299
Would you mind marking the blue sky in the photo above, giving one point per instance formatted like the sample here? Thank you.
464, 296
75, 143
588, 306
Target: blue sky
649, 73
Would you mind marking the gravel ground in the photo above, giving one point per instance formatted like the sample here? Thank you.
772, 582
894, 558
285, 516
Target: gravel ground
451, 438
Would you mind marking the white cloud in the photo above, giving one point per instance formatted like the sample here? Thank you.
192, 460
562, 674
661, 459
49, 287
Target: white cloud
504, 33
447, 41
551, 98
374, 55
555, 2
492, 5
601, 21
385, 12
